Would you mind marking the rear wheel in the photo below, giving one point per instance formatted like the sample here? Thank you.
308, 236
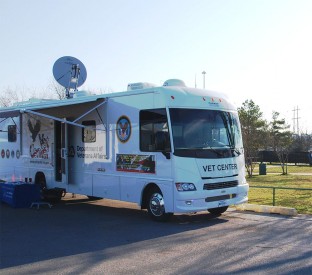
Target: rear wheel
41, 181
156, 206
218, 211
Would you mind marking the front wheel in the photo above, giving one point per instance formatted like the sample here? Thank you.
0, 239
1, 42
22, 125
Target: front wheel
156, 206
218, 211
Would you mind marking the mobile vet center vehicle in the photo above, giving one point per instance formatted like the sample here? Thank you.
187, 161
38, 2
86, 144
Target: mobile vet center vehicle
170, 149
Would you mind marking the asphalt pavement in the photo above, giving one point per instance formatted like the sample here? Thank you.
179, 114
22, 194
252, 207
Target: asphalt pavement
79, 236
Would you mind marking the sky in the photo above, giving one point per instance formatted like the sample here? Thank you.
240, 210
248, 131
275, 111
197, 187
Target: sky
250, 49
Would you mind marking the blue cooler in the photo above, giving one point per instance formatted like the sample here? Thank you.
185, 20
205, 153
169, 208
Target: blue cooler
19, 194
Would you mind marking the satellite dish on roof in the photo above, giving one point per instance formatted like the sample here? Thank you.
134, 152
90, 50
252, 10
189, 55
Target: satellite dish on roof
70, 73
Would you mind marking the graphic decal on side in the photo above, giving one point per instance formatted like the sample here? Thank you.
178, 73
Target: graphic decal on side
39, 148
135, 163
34, 129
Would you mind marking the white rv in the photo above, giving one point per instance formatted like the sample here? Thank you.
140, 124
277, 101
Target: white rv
170, 149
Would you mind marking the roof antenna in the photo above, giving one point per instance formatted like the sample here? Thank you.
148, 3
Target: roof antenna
70, 73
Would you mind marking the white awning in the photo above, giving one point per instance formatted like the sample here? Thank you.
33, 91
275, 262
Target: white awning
69, 114
67, 111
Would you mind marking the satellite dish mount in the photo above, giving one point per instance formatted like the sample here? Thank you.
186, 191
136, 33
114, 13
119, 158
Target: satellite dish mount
70, 73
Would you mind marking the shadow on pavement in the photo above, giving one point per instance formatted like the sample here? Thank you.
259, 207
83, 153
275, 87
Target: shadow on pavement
78, 225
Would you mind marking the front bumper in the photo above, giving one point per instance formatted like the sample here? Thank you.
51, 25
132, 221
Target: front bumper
196, 201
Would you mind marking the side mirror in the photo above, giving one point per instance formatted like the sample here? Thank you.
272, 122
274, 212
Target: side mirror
166, 154
161, 143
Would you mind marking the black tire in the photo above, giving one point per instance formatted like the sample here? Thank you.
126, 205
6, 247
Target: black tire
54, 195
156, 206
218, 211
41, 182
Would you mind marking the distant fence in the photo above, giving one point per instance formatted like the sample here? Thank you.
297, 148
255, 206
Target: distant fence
293, 157
279, 188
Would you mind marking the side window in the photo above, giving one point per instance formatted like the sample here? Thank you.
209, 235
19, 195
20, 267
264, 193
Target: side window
154, 133
89, 132
12, 133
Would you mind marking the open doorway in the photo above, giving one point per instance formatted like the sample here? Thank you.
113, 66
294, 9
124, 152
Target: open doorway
60, 150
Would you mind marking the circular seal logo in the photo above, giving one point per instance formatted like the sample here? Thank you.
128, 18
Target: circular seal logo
123, 129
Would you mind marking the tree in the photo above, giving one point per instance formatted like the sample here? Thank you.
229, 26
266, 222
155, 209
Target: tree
8, 97
57, 89
301, 143
253, 132
281, 139
53, 90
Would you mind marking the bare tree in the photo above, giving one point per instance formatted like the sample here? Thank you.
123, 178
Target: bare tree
9, 96
301, 143
57, 90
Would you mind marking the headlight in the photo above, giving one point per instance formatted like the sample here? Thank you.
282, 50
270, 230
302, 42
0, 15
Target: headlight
185, 186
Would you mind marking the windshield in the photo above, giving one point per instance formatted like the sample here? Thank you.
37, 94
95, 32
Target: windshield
205, 133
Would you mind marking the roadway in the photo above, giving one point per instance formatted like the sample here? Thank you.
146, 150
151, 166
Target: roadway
78, 236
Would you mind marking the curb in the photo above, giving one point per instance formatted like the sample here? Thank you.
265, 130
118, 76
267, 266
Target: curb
267, 209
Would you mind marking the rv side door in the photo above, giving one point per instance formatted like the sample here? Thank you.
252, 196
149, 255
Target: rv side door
60, 151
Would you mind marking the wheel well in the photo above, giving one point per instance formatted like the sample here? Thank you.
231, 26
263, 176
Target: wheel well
41, 180
148, 188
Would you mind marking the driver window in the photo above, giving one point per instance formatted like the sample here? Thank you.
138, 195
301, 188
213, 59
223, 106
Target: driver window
154, 133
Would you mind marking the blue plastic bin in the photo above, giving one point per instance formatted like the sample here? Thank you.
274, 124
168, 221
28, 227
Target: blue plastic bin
19, 194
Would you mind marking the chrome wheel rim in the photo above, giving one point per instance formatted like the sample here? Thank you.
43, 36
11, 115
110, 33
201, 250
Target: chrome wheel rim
157, 205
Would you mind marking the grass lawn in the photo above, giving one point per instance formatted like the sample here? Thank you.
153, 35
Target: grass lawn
301, 200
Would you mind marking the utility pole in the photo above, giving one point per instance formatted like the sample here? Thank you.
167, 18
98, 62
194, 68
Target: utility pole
296, 120
204, 79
